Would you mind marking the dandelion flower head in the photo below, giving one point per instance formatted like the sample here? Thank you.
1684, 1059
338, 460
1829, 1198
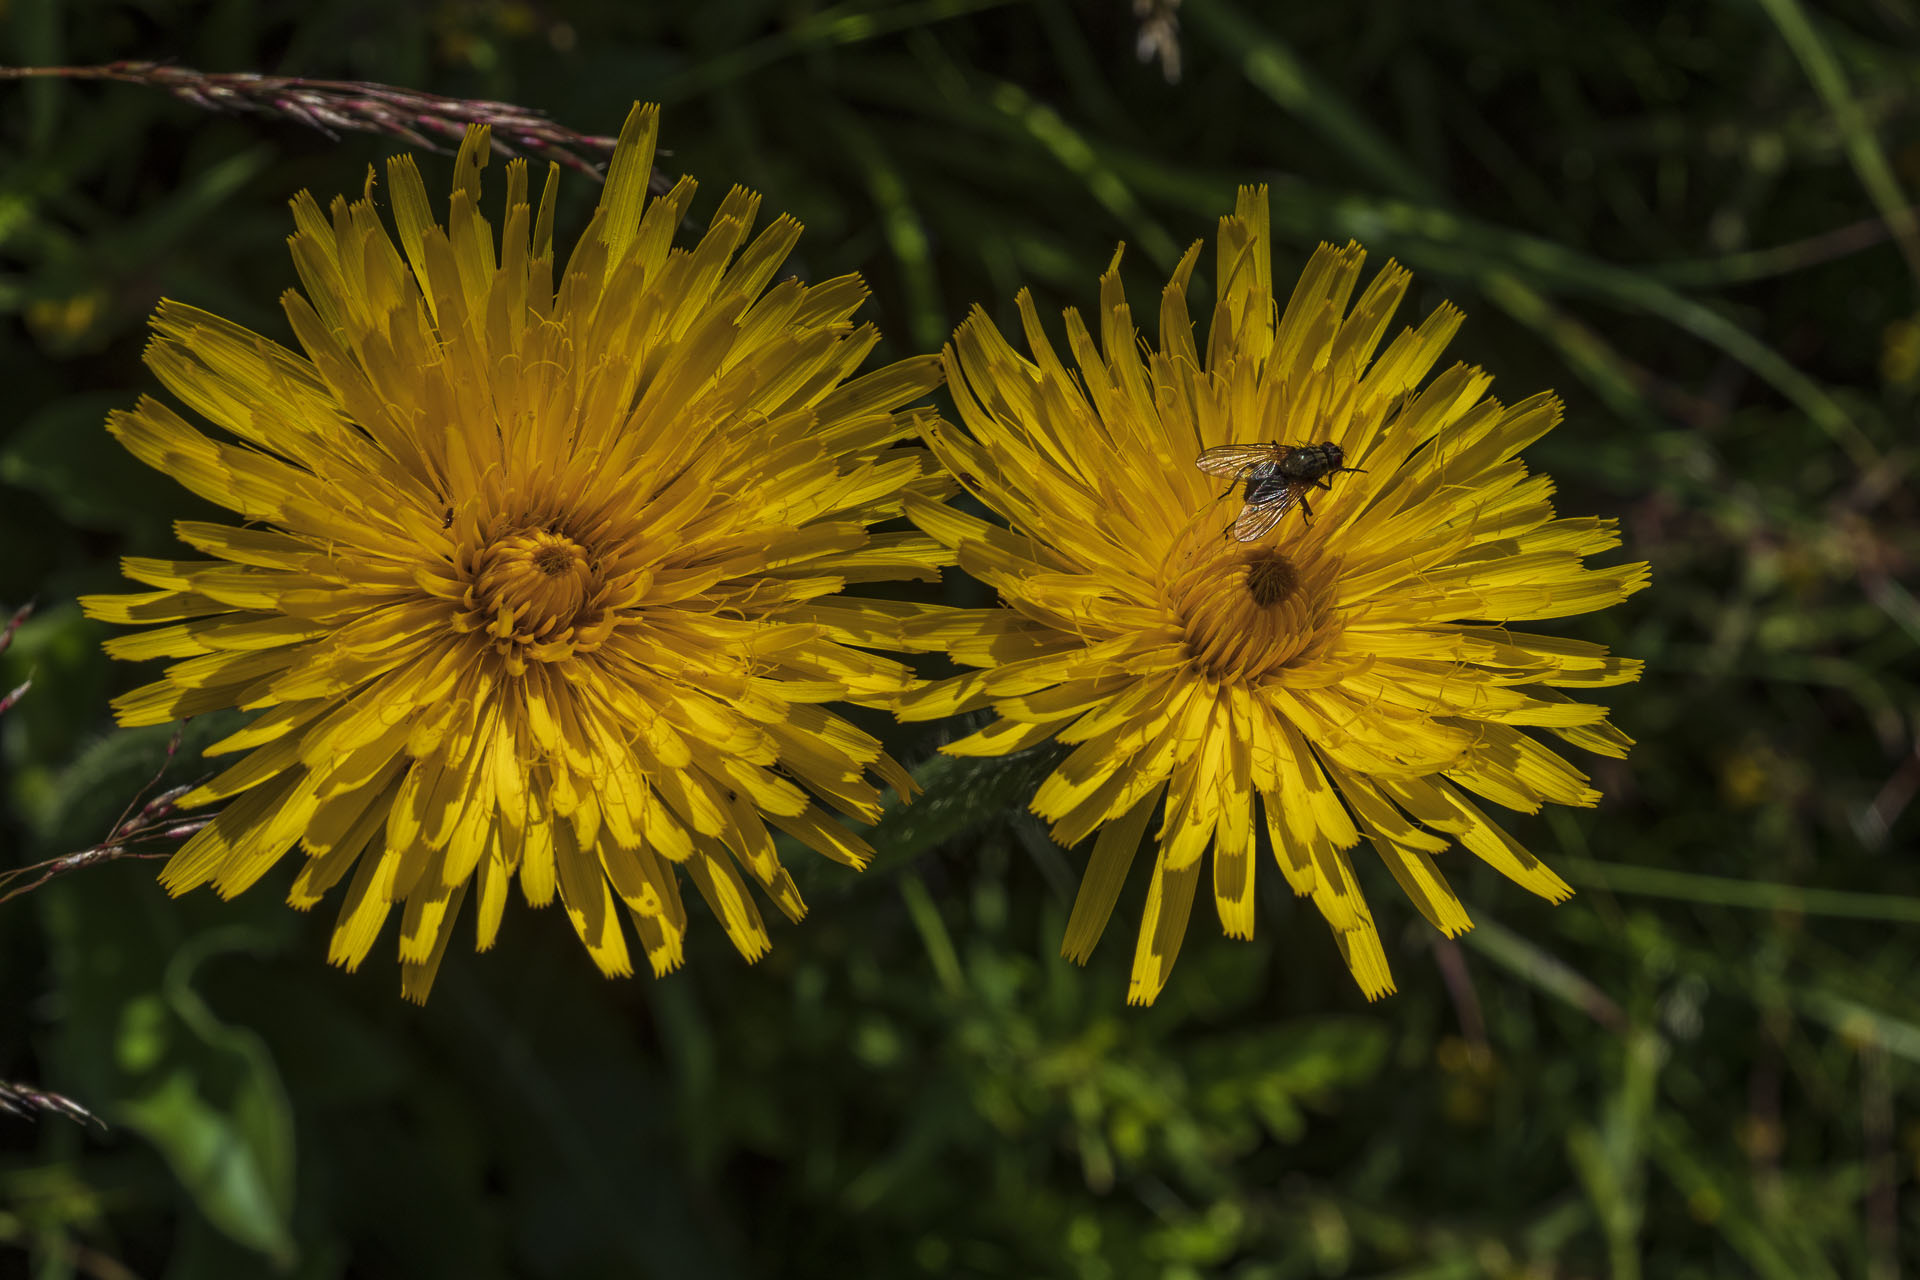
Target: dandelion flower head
1346, 676
538, 574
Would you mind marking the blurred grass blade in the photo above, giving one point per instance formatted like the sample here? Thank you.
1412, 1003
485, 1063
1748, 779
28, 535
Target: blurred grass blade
1749, 265
1864, 152
1080, 158
1759, 895
1547, 972
1859, 1022
1280, 73
841, 25
933, 933
1283, 77
188, 208
1723, 1199
1611, 1160
38, 38
905, 230
1491, 252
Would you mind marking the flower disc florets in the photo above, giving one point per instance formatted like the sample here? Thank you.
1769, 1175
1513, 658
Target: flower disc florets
1248, 612
540, 574
539, 595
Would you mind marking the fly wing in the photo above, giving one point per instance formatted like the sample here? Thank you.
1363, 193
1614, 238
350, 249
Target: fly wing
1232, 459
1257, 519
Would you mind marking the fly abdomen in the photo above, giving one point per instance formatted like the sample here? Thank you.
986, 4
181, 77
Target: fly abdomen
1311, 462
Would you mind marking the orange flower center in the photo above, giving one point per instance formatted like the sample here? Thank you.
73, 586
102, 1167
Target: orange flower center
535, 593
1248, 610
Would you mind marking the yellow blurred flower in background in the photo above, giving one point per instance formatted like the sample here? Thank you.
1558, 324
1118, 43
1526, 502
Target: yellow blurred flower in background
1342, 677
537, 576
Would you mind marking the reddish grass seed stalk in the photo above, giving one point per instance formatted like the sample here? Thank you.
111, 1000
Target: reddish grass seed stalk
19, 691
147, 818
26, 1101
421, 119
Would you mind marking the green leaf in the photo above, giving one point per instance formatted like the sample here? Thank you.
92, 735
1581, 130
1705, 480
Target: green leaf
959, 795
215, 1106
139, 1044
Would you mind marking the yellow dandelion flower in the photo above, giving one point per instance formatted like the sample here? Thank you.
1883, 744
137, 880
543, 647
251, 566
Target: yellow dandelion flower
1346, 674
536, 577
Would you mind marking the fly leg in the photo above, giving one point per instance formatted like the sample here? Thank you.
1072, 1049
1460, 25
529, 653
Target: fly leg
1239, 481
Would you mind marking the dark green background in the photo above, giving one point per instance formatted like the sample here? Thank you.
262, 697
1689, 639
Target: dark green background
1702, 1065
